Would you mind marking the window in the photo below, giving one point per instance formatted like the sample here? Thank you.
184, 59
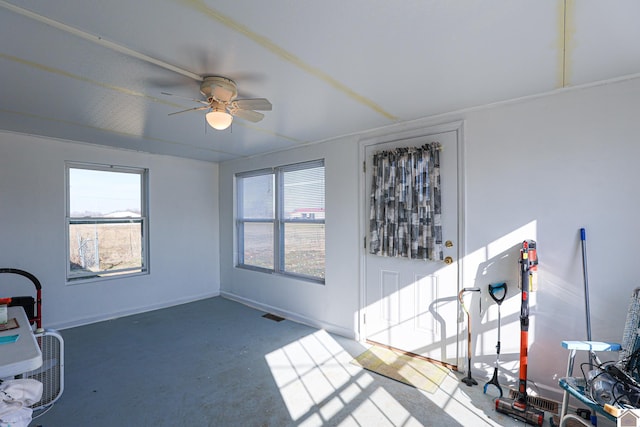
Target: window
106, 221
280, 220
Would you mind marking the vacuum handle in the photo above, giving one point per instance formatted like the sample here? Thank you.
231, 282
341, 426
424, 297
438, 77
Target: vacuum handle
498, 289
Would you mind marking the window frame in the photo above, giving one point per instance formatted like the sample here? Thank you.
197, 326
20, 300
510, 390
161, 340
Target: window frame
143, 220
278, 221
241, 220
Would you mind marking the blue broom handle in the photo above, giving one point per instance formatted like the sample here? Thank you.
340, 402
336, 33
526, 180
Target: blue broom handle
583, 238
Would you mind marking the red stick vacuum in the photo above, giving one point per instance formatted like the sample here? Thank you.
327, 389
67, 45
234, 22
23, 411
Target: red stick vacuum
519, 408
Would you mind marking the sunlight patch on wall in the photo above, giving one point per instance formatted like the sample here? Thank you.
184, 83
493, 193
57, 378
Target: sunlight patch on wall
526, 232
498, 261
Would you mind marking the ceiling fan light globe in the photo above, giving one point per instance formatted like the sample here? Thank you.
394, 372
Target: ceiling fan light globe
219, 120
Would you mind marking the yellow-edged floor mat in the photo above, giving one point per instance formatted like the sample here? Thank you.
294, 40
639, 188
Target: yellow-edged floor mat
401, 367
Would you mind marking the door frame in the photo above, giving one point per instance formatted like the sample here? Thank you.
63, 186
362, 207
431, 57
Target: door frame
393, 136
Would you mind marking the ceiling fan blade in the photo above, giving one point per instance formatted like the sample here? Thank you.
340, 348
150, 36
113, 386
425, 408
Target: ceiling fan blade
252, 116
190, 109
261, 104
201, 101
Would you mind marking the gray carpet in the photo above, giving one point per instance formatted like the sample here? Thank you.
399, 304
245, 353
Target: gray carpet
219, 363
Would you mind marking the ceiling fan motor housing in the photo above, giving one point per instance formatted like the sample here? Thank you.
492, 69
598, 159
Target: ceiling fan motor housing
217, 88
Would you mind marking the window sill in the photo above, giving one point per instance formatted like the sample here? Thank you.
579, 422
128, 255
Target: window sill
103, 278
300, 277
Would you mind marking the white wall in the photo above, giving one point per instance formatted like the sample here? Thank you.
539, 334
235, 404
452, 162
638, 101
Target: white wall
334, 304
542, 169
183, 230
539, 168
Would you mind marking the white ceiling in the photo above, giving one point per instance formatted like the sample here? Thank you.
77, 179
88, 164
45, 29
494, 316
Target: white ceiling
71, 69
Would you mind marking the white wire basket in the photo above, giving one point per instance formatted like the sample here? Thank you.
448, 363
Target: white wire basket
51, 373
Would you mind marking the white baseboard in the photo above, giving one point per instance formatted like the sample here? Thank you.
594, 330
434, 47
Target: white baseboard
290, 315
128, 312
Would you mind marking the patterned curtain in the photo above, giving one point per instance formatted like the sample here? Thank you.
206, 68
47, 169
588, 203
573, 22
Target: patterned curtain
405, 203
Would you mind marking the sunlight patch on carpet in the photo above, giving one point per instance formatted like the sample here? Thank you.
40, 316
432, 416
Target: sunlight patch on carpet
412, 371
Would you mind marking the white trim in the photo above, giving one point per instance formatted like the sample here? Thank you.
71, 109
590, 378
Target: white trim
290, 315
87, 320
446, 116
462, 228
278, 220
388, 135
143, 219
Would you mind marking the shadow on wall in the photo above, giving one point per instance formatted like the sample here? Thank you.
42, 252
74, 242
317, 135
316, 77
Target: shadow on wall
502, 267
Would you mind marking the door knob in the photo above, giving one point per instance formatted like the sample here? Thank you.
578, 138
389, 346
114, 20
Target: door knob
448, 244
448, 260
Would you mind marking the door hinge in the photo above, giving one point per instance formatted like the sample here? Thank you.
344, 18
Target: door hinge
364, 167
364, 318
365, 242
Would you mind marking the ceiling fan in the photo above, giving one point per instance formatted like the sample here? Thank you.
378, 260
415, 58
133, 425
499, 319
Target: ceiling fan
221, 94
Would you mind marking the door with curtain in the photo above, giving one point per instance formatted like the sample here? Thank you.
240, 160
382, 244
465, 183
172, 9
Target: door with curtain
411, 302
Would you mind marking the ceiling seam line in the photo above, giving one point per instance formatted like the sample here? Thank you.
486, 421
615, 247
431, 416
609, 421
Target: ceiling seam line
564, 45
116, 88
84, 79
236, 26
111, 131
228, 22
98, 40
272, 47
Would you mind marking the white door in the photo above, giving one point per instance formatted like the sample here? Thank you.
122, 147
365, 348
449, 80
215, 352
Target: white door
412, 305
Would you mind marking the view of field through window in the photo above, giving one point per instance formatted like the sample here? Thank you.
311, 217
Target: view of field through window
303, 199
304, 249
104, 247
296, 229
303, 253
105, 227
